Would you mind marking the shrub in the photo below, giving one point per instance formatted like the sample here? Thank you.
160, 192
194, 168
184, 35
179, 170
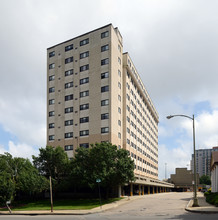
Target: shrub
212, 198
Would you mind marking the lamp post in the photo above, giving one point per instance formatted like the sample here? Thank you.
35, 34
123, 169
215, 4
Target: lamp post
195, 202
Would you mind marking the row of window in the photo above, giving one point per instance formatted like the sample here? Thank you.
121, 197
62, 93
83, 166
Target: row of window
82, 81
82, 133
82, 43
82, 120
82, 94
82, 107
82, 68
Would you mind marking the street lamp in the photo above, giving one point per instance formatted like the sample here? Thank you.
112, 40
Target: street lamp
195, 203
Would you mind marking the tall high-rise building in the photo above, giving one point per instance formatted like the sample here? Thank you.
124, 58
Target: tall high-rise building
95, 94
203, 161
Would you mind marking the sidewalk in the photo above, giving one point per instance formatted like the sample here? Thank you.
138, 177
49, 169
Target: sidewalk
204, 206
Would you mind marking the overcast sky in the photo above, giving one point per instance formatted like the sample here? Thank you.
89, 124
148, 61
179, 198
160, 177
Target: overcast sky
173, 44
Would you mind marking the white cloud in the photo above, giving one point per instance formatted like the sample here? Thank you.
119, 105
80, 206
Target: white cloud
22, 150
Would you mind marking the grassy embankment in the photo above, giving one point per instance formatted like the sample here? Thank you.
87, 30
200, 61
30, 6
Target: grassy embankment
66, 204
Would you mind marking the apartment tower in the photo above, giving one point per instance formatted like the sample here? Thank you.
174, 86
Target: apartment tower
95, 94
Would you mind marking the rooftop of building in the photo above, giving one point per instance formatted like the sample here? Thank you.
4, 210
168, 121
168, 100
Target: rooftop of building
85, 34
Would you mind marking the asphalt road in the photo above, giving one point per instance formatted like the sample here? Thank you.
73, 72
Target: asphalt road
158, 206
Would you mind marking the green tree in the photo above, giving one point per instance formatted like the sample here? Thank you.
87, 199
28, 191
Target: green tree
19, 175
52, 162
205, 180
103, 161
28, 179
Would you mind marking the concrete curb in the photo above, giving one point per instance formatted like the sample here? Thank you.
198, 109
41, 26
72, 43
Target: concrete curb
208, 209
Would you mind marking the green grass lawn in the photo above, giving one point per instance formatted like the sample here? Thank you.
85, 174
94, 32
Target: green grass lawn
62, 204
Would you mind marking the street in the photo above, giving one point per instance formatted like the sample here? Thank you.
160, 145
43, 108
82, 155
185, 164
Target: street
157, 206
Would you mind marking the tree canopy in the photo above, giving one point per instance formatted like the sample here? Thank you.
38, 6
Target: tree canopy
19, 175
52, 162
105, 162
205, 180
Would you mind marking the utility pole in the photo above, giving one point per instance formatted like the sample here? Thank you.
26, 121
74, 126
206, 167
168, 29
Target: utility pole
165, 170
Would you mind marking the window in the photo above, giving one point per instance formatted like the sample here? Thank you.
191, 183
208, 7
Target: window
119, 135
69, 72
51, 101
51, 125
105, 34
68, 122
84, 94
105, 116
119, 122
69, 47
104, 75
104, 88
51, 54
85, 80
104, 130
119, 98
68, 85
105, 102
119, 48
51, 78
84, 55
68, 147
119, 60
128, 141
68, 60
85, 145
52, 113
105, 61
69, 135
84, 120
84, 106
83, 68
69, 97
128, 130
84, 42
84, 133
51, 137
104, 48
119, 109
69, 109
119, 73
52, 89
51, 66
119, 85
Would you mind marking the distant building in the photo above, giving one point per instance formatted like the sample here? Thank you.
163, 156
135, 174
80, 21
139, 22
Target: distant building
214, 172
203, 161
183, 179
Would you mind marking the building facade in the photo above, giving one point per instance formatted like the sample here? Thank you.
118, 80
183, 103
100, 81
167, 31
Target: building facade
95, 94
203, 161
183, 179
214, 172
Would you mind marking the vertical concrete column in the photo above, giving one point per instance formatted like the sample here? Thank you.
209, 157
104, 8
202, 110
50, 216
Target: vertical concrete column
143, 190
139, 189
131, 189
153, 189
148, 190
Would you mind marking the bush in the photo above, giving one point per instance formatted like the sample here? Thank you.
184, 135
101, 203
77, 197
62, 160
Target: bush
212, 198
